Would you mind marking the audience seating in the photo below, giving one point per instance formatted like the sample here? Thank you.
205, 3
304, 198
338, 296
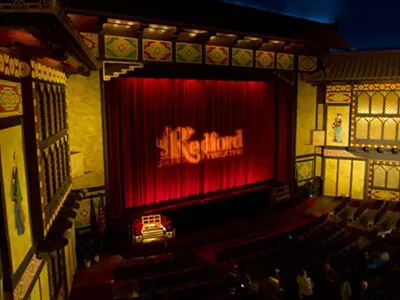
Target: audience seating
184, 277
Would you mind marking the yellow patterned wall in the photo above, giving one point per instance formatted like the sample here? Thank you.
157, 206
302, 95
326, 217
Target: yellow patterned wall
44, 282
11, 140
330, 176
318, 166
36, 292
41, 289
85, 128
321, 116
306, 117
344, 177
358, 183
70, 259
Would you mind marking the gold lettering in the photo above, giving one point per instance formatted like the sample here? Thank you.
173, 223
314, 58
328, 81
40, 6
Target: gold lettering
177, 146
238, 139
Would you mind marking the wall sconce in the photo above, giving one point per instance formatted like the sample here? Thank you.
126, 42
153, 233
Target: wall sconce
395, 151
380, 150
365, 149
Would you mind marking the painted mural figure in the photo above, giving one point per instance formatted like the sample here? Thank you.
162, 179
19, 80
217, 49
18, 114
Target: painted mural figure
337, 129
16, 196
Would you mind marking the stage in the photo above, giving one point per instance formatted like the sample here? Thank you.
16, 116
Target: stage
174, 142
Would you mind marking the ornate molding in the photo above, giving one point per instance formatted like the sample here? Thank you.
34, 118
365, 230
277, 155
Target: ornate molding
45, 73
113, 69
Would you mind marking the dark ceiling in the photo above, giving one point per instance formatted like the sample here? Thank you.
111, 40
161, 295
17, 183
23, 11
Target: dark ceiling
366, 24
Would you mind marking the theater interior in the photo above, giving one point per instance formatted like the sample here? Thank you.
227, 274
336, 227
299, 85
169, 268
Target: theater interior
172, 153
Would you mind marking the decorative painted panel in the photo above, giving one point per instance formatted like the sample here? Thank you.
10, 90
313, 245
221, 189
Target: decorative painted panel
265, 59
127, 48
307, 63
11, 66
10, 99
305, 170
217, 55
338, 88
26, 280
285, 61
189, 53
242, 57
337, 127
16, 202
385, 195
83, 217
154, 50
338, 97
116, 47
339, 153
92, 41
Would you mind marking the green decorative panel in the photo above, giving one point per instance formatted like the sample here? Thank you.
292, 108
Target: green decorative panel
117, 47
189, 53
242, 57
285, 61
305, 170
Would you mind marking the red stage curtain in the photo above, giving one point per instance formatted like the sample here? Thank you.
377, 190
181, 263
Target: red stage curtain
286, 111
139, 109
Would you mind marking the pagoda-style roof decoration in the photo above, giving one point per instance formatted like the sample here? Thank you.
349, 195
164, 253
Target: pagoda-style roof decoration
382, 66
32, 24
215, 16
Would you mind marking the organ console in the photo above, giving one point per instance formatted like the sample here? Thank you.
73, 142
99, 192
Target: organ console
153, 229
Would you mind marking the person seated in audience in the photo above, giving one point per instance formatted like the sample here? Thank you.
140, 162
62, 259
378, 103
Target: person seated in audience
377, 259
235, 271
329, 274
358, 289
305, 285
345, 290
250, 285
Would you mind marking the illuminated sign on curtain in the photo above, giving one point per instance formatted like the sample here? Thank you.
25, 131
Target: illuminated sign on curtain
178, 147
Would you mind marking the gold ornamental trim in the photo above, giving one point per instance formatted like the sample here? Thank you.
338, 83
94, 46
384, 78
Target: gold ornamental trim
45, 73
13, 67
128, 67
